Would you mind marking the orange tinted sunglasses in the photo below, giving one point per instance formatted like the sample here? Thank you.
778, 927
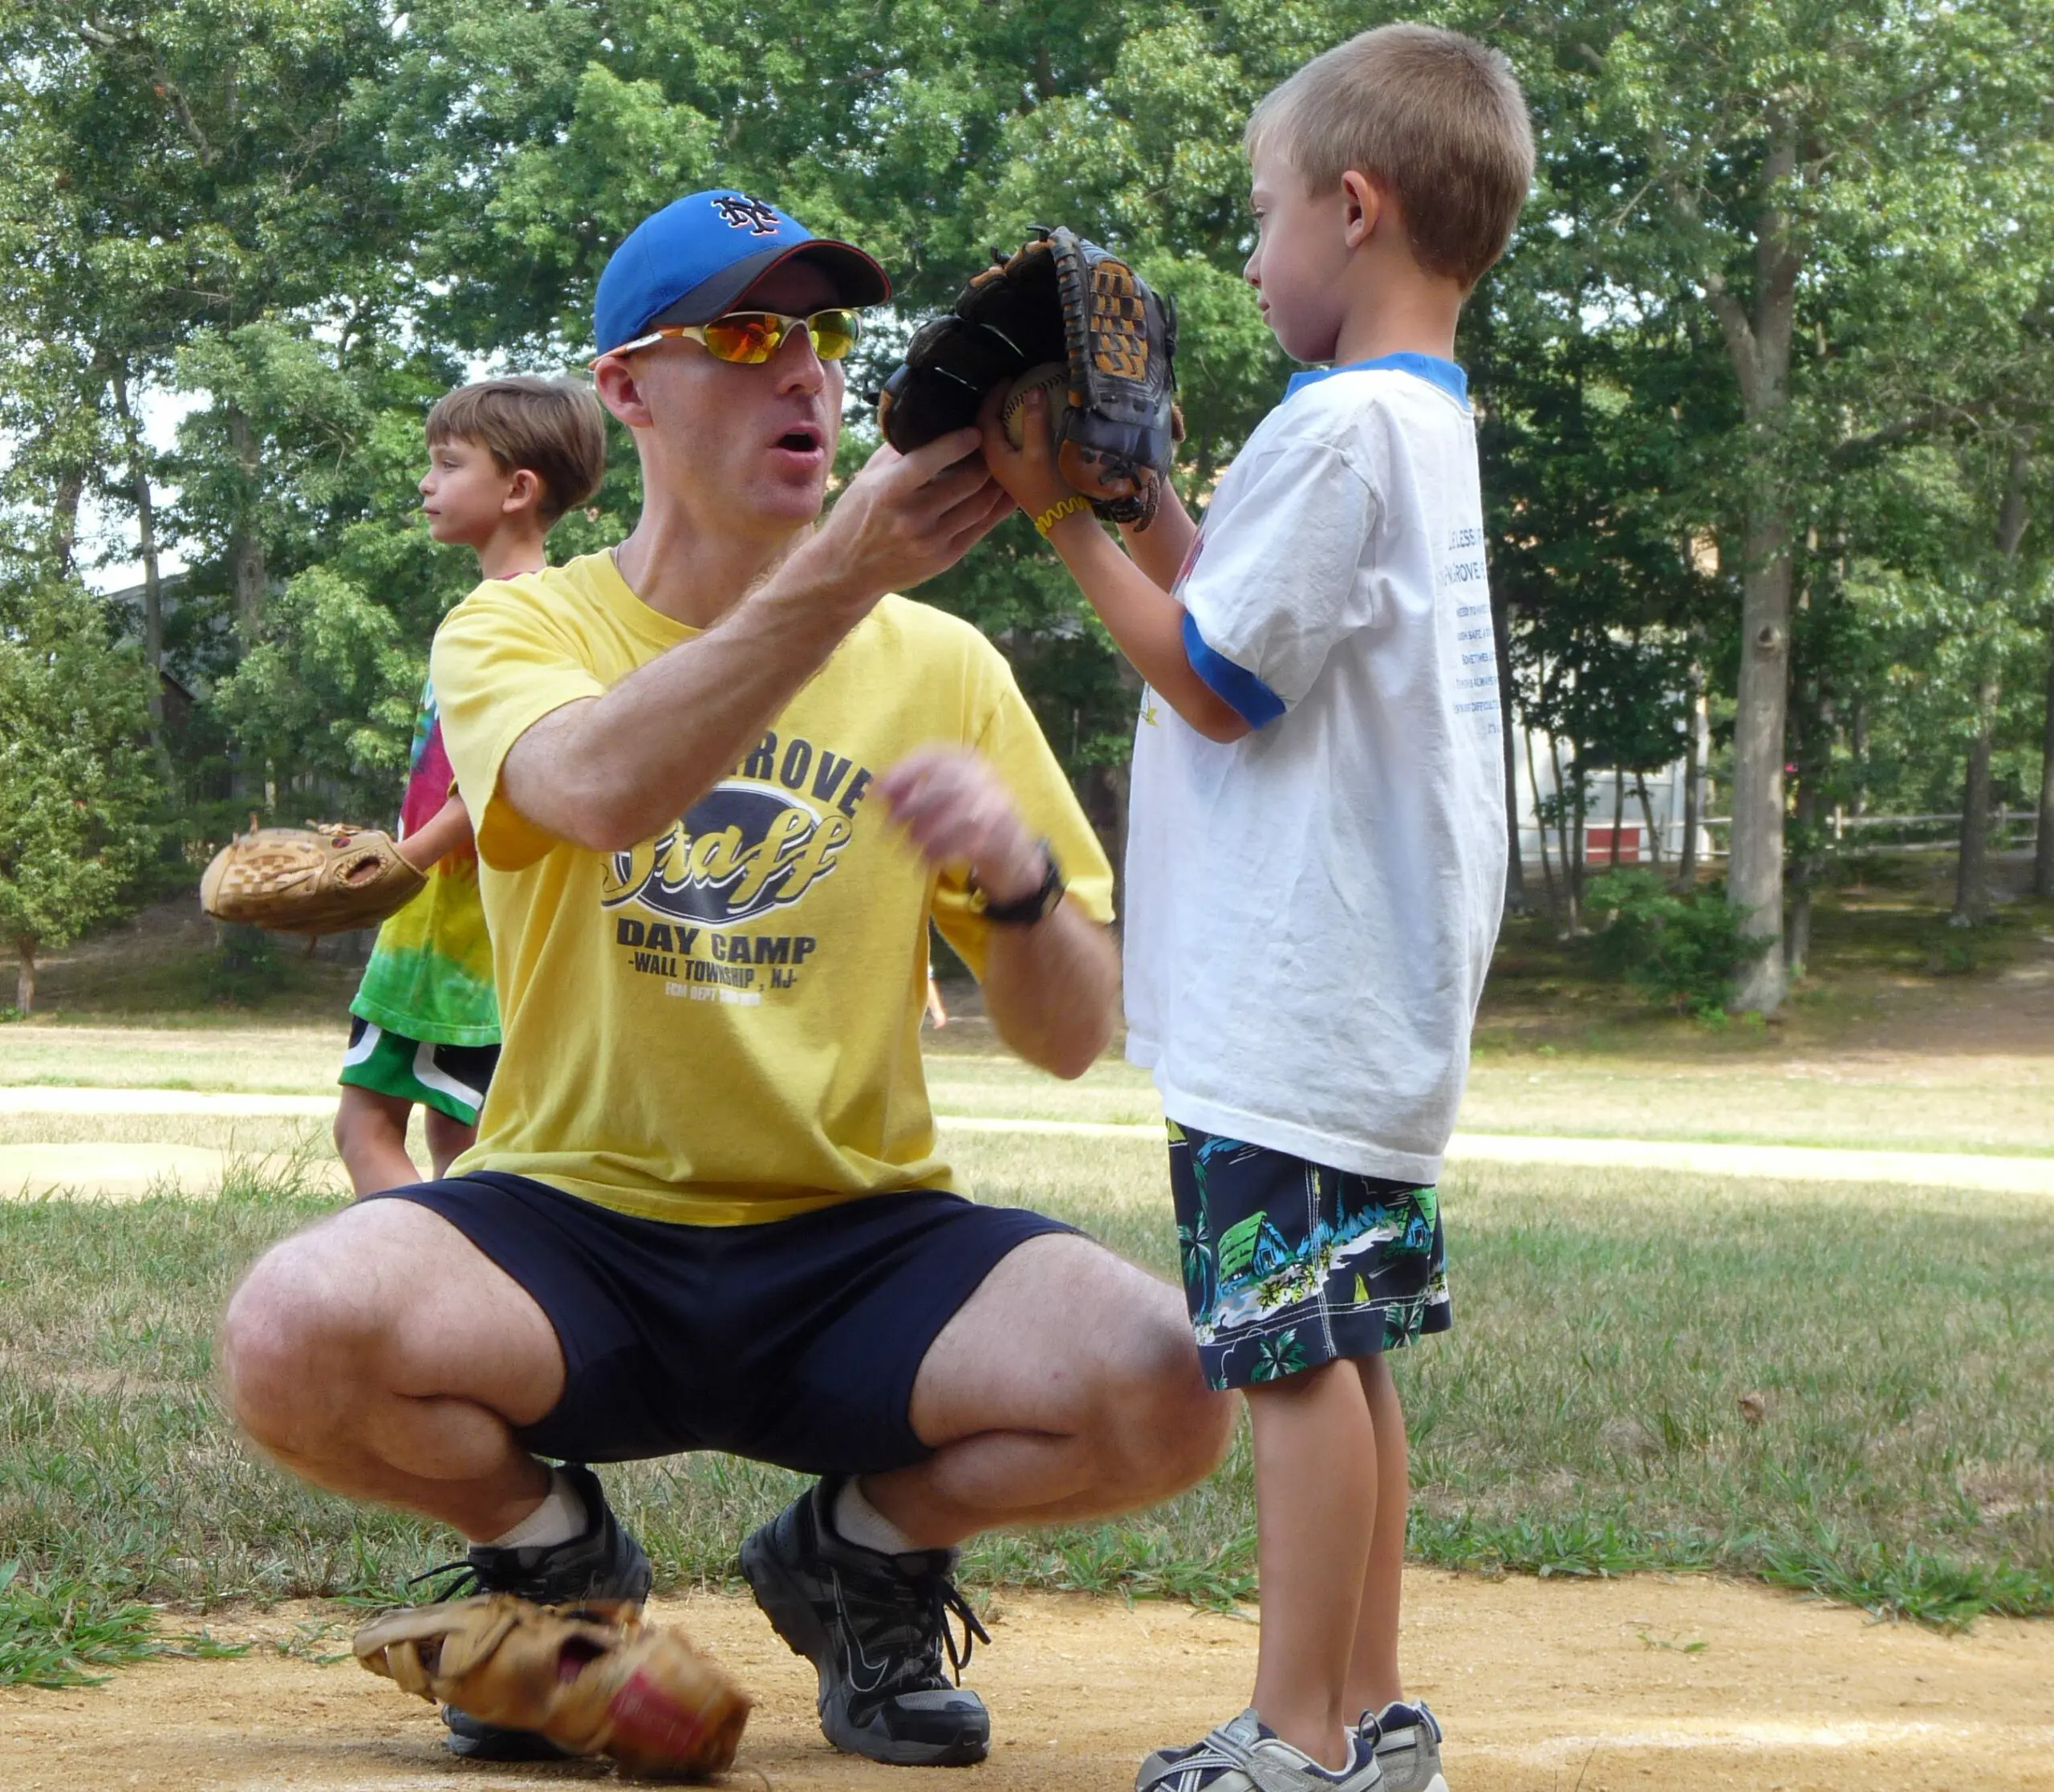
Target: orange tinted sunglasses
750, 338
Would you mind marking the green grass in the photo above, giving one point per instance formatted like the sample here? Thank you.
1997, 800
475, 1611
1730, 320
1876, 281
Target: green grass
253, 1058
1583, 1418
1938, 1102
52, 1633
2004, 1108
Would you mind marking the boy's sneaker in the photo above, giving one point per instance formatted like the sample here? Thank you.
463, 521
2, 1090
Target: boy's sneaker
1247, 1756
875, 1628
1407, 1742
603, 1561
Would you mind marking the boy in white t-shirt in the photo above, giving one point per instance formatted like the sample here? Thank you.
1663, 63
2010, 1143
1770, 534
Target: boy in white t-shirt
1316, 856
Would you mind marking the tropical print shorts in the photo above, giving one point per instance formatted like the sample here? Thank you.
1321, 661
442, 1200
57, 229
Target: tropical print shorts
1288, 1265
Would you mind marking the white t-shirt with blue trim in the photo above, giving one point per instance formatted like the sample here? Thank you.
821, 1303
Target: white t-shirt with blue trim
1310, 910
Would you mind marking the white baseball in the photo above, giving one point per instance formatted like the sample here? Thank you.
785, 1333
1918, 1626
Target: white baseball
1050, 377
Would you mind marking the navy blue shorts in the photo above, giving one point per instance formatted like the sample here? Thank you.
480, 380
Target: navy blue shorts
795, 1342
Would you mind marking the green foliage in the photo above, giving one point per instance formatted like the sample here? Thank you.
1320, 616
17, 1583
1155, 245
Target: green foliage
1778, 293
243, 968
76, 785
1688, 950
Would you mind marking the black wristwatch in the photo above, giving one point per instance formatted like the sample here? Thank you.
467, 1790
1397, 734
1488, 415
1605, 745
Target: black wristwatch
1036, 905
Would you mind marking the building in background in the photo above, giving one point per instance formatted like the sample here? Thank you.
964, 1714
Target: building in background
1643, 817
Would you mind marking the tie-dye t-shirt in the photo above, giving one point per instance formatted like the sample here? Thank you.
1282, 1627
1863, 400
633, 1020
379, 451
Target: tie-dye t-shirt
430, 974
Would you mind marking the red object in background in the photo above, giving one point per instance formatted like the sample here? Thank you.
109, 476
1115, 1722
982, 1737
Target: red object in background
1598, 845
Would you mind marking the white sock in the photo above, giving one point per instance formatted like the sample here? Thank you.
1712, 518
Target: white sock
858, 1521
561, 1517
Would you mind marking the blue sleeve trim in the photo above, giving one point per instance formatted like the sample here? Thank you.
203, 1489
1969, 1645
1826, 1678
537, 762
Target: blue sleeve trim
1241, 690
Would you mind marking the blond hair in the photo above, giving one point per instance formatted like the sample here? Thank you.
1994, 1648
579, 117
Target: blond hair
1434, 116
554, 428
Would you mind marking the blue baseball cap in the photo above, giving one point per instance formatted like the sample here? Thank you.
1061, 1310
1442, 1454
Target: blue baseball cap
690, 261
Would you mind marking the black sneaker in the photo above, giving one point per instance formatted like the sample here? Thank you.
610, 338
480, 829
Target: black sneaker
604, 1562
875, 1628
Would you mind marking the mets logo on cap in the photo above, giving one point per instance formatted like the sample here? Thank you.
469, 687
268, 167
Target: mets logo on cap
739, 212
741, 851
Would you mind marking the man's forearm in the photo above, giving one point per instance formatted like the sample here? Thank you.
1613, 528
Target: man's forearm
1052, 990
619, 768
608, 771
1146, 623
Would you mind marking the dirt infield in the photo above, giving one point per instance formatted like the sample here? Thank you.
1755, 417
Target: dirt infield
1545, 1687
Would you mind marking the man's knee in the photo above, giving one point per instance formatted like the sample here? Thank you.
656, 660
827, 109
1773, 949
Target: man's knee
1173, 1427
290, 1329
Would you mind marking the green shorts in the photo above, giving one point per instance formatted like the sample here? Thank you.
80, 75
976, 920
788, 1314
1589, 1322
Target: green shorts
452, 1079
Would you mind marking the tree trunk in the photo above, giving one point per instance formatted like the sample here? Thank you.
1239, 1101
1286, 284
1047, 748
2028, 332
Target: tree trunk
2043, 852
1758, 338
1972, 868
1514, 867
247, 569
1571, 915
1686, 861
1647, 818
1540, 830
1857, 743
146, 530
25, 977
1618, 812
1579, 839
1797, 935
1754, 879
64, 516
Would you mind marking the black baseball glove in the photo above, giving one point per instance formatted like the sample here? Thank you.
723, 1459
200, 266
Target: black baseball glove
1064, 300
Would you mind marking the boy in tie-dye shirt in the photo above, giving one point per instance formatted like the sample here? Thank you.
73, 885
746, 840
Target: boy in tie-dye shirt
507, 457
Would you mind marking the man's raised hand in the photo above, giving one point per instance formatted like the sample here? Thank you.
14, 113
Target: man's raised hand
956, 809
905, 517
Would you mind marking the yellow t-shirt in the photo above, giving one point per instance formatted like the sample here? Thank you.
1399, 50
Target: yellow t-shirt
723, 1025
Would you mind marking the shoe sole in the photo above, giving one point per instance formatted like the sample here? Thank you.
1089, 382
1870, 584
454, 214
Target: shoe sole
784, 1603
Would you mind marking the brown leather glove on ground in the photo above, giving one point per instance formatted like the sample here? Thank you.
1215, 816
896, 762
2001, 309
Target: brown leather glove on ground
591, 1678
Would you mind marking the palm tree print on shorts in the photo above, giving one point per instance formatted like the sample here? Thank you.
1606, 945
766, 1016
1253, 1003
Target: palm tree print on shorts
1287, 1264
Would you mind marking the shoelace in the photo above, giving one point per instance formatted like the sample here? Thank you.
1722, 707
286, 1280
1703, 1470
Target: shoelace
945, 1598
461, 1568
468, 1581
910, 1618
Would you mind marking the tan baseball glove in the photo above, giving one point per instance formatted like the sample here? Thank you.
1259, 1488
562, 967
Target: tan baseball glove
592, 1678
321, 879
